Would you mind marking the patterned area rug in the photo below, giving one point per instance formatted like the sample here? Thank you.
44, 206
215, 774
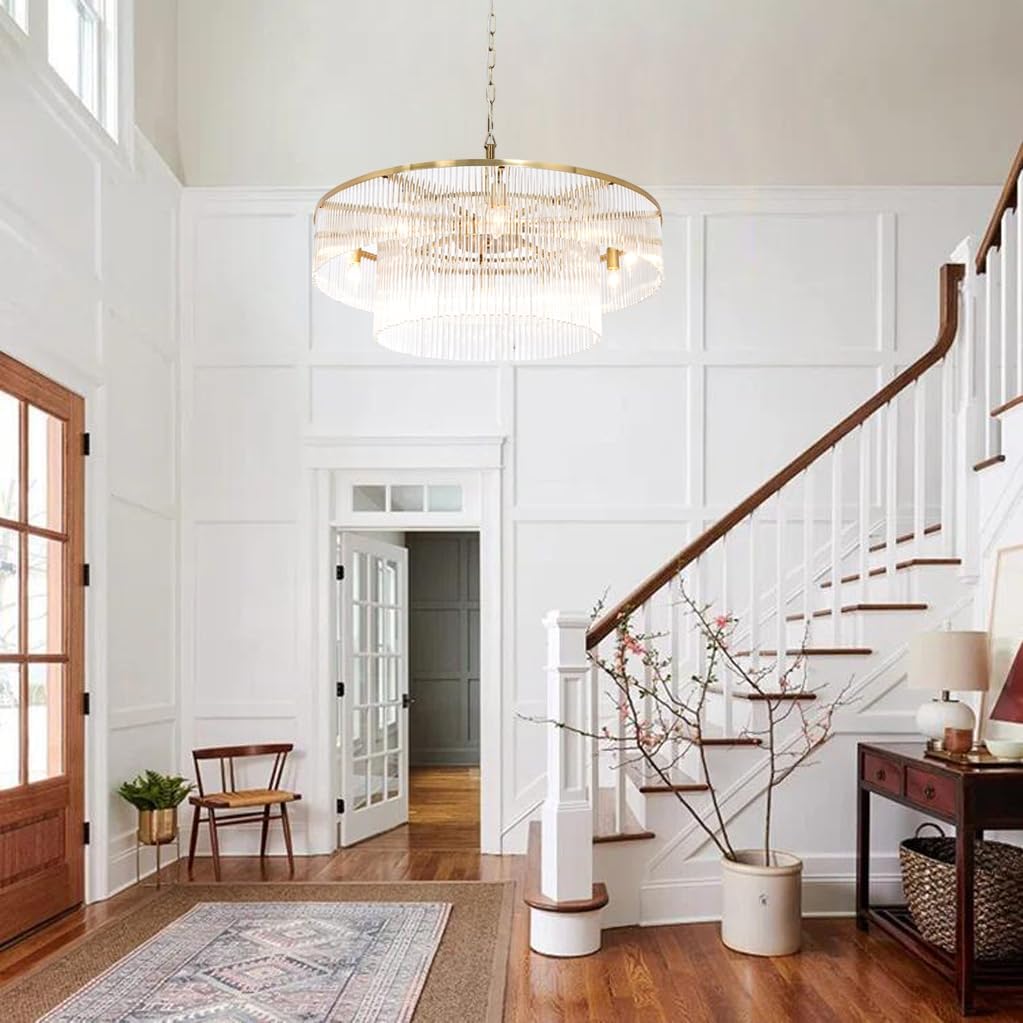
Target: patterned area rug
272, 962
386, 939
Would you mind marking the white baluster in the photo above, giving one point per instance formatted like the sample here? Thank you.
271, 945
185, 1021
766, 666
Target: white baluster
594, 729
836, 546
779, 590
648, 672
1003, 301
754, 601
1019, 287
677, 620
989, 403
949, 431
809, 587
891, 513
863, 516
726, 675
919, 460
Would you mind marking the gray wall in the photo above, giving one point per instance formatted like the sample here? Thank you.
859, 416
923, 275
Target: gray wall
444, 643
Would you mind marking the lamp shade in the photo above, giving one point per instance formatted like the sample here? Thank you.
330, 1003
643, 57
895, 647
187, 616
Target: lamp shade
956, 661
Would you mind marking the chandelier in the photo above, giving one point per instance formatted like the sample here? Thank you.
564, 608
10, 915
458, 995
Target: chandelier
487, 259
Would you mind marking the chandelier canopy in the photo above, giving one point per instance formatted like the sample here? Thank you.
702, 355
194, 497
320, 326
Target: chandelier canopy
487, 259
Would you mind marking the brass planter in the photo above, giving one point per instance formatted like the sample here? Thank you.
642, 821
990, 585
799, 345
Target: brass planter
158, 827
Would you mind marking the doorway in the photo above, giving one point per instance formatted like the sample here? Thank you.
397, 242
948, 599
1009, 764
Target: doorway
408, 648
42, 757
444, 681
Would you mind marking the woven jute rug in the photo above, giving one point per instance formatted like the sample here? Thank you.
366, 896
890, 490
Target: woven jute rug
464, 982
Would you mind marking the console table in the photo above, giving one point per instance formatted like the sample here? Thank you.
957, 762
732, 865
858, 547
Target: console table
970, 798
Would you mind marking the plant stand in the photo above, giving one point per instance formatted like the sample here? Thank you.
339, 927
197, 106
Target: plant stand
139, 846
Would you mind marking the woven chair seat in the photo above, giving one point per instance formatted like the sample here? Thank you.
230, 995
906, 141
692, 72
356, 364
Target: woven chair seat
244, 798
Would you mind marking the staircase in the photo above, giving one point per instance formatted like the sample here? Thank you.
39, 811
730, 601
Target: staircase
869, 536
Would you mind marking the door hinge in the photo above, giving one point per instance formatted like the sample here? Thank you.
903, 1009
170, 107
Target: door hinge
340, 689
86, 704
406, 701
86, 574
86, 833
86, 444
339, 573
340, 806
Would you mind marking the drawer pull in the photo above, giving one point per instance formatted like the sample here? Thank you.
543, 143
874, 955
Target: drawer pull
880, 774
929, 792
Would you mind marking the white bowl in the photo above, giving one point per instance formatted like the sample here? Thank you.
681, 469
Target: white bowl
1005, 749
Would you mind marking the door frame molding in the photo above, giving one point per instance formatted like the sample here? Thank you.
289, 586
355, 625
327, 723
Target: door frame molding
331, 463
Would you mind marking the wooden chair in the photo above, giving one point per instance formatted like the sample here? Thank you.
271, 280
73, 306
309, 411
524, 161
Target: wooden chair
255, 804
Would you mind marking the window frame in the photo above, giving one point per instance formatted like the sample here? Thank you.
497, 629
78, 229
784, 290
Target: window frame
109, 134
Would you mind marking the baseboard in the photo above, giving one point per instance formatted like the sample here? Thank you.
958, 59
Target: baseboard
698, 900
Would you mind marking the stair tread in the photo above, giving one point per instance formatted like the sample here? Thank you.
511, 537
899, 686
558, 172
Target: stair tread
767, 695
1011, 403
899, 566
988, 462
651, 783
633, 830
825, 612
533, 895
815, 651
905, 538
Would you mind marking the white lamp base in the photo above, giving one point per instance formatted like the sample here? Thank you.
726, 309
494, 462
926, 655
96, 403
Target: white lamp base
935, 716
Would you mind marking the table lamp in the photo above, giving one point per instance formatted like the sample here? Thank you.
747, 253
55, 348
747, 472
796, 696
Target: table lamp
947, 662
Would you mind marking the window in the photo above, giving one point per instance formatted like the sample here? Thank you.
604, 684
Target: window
407, 497
16, 10
82, 50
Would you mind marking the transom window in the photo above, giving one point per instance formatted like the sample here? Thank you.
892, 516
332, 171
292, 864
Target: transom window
407, 497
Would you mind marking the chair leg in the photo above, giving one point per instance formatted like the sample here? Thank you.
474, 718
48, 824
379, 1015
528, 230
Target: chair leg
287, 838
214, 846
266, 831
192, 840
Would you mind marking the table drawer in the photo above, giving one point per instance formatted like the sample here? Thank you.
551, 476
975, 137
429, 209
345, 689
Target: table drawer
883, 774
931, 791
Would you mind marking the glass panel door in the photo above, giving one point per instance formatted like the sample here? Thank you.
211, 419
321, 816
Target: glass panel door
373, 719
41, 648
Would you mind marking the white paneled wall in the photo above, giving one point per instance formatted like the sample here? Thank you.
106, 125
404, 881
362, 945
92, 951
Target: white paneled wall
781, 310
88, 261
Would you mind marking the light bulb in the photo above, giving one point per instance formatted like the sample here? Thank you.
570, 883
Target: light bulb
630, 259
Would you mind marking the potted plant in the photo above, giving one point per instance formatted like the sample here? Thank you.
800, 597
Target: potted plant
156, 797
662, 725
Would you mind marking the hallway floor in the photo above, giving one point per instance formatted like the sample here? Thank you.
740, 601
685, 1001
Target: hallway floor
655, 974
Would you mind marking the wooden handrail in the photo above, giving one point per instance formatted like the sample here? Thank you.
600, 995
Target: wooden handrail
951, 275
1008, 200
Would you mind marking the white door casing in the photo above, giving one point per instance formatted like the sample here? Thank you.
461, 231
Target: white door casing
373, 656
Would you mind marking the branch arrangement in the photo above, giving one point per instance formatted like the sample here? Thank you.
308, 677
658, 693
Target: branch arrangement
660, 720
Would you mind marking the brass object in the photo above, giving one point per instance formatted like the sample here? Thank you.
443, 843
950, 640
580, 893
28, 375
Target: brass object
157, 827
976, 756
958, 740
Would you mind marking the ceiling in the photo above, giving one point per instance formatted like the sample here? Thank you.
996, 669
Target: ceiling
698, 92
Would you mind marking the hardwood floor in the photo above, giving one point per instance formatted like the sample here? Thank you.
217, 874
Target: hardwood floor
648, 975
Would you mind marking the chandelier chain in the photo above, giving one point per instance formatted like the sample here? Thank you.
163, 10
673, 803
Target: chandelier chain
490, 142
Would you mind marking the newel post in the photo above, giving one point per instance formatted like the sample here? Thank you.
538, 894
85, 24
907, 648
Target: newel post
567, 849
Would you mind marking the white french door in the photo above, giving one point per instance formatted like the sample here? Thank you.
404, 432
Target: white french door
373, 695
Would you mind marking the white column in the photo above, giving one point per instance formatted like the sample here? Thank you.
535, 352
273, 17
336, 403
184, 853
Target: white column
566, 865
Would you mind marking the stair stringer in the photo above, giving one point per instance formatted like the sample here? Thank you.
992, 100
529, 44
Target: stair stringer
643, 879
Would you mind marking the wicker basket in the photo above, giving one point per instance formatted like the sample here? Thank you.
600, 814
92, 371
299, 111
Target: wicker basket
929, 882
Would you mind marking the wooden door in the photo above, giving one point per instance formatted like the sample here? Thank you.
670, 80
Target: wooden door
42, 765
444, 646
374, 672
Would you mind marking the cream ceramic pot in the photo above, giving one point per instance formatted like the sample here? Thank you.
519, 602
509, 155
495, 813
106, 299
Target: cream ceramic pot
762, 906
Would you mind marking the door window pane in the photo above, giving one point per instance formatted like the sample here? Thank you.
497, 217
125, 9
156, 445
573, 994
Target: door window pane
45, 596
45, 469
376, 780
10, 591
392, 777
359, 793
10, 725
10, 457
45, 721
